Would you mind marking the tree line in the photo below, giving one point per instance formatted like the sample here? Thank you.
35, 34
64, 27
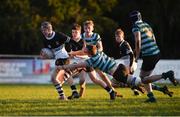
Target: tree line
20, 22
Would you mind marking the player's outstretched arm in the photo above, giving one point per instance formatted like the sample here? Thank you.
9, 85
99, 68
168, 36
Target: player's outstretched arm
72, 66
79, 52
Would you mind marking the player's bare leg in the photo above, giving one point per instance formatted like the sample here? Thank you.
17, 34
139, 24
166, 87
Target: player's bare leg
117, 84
75, 94
82, 83
165, 75
111, 92
57, 80
105, 78
147, 85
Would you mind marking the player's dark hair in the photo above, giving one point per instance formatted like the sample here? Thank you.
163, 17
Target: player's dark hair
92, 49
76, 26
135, 16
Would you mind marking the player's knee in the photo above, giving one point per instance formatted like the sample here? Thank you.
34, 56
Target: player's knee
141, 76
82, 82
82, 85
54, 78
94, 80
145, 80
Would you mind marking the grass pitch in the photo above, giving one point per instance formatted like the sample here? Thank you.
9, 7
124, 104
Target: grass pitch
41, 100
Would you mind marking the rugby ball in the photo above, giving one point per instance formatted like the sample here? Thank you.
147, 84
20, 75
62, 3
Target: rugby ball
47, 53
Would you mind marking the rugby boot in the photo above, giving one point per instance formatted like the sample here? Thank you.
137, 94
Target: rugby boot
75, 95
166, 91
118, 94
112, 95
170, 75
139, 88
136, 93
151, 100
63, 98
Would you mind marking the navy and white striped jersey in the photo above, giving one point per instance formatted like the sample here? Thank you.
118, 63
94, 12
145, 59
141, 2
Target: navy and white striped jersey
57, 40
91, 40
101, 61
148, 43
57, 44
124, 49
74, 45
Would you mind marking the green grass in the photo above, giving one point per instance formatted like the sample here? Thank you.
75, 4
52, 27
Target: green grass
40, 100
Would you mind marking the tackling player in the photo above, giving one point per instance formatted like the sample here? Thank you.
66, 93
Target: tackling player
99, 60
91, 38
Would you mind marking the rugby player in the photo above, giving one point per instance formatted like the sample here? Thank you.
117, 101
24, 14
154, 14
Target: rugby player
76, 43
55, 41
92, 38
145, 43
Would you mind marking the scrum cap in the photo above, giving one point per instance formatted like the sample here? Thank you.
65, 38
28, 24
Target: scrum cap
135, 16
46, 24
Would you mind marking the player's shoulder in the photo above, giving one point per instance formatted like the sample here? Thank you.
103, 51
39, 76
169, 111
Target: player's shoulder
81, 40
126, 42
60, 34
96, 34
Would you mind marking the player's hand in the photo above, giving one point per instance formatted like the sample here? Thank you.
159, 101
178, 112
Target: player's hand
131, 70
42, 55
71, 54
140, 88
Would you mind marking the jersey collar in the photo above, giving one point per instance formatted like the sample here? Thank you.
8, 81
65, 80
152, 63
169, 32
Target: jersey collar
52, 36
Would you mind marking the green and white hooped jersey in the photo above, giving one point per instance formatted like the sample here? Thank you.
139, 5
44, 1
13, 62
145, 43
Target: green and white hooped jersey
102, 62
148, 43
91, 40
